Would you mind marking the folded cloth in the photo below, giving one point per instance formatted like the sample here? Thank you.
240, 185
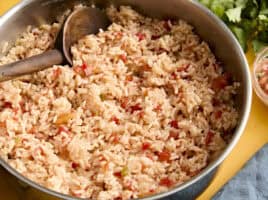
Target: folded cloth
251, 182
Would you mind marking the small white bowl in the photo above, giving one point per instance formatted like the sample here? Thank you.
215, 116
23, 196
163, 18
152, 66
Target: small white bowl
258, 90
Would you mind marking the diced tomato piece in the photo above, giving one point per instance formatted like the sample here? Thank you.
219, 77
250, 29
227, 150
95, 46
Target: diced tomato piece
118, 174
209, 137
146, 145
119, 35
63, 129
164, 156
174, 75
136, 107
7, 105
102, 158
3, 125
141, 36
166, 25
86, 69
146, 68
174, 124
75, 165
221, 82
115, 138
123, 57
32, 130
23, 107
83, 66
218, 114
124, 102
56, 72
141, 114
152, 191
166, 182
158, 108
83, 70
115, 120
174, 134
129, 78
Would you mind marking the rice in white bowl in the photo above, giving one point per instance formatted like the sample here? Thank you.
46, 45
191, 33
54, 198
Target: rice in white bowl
145, 107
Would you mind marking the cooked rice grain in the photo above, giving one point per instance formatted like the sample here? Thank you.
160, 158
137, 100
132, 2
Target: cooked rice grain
145, 107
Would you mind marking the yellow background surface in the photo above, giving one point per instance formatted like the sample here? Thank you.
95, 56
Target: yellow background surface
254, 137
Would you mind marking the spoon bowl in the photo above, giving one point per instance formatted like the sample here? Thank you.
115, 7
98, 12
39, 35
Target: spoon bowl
81, 22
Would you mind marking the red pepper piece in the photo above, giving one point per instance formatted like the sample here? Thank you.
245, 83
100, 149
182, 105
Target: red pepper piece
164, 156
166, 182
136, 107
141, 36
75, 165
174, 124
209, 137
123, 57
115, 120
63, 129
218, 114
146, 146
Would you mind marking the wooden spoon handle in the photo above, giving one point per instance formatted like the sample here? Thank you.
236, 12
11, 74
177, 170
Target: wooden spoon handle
30, 65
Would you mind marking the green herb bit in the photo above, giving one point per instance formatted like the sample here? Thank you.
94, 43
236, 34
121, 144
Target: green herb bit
124, 171
17, 140
103, 97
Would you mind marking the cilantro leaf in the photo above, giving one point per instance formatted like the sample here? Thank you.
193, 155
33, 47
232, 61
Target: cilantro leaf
248, 19
241, 3
220, 6
234, 14
264, 12
258, 45
240, 35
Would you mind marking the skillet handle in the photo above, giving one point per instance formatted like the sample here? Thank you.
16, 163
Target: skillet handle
30, 65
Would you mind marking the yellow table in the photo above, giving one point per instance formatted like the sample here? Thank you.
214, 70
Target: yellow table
254, 137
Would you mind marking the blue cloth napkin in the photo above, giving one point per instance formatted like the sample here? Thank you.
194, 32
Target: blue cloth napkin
251, 182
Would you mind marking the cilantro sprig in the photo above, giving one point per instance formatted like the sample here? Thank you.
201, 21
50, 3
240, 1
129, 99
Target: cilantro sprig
248, 20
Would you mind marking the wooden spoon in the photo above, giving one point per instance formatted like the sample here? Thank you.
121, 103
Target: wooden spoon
81, 22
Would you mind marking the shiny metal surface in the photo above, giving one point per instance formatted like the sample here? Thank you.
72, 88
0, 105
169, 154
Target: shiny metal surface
209, 27
30, 65
80, 23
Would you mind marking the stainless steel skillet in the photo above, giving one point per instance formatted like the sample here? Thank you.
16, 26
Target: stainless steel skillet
210, 28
